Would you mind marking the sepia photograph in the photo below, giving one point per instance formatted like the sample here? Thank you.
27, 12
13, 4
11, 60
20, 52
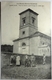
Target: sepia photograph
26, 40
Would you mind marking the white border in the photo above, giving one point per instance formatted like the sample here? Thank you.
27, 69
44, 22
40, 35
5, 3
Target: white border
26, 0
51, 35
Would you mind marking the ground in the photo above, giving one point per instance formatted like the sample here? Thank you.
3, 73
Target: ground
21, 72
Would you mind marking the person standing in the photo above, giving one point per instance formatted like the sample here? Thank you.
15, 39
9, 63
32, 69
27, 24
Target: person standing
33, 61
44, 59
12, 60
17, 60
26, 61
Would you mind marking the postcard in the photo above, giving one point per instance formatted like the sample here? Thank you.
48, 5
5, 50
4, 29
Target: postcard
26, 40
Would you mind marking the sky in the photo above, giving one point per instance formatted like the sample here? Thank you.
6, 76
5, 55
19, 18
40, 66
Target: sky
10, 18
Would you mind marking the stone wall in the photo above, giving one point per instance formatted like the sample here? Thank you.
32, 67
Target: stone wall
5, 59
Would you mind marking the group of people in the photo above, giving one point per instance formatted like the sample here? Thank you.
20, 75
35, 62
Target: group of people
15, 60
28, 61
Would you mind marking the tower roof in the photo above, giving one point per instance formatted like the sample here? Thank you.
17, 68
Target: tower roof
28, 10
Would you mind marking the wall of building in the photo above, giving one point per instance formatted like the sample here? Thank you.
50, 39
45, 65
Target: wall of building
15, 47
34, 43
18, 48
29, 28
26, 14
26, 29
24, 49
44, 50
45, 41
36, 20
44, 46
29, 16
37, 45
32, 30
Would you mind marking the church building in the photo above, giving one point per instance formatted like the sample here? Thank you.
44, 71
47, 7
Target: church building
30, 40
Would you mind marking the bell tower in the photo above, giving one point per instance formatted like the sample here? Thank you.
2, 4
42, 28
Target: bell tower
28, 23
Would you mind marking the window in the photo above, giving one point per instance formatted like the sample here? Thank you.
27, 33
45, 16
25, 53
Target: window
23, 32
23, 44
33, 20
43, 43
24, 20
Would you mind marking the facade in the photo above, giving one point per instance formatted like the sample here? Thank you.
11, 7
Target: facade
30, 40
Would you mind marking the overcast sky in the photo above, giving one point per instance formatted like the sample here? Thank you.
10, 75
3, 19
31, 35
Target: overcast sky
10, 19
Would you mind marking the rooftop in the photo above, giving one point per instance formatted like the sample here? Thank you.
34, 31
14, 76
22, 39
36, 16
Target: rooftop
28, 10
34, 35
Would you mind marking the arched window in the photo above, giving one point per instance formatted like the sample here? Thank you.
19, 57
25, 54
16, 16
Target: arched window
23, 44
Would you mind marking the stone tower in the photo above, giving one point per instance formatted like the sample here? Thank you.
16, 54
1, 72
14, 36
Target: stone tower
28, 23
